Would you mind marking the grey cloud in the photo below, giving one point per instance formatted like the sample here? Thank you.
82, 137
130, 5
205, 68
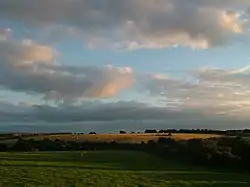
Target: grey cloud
90, 111
134, 23
107, 112
108, 117
218, 3
4, 33
28, 67
116, 126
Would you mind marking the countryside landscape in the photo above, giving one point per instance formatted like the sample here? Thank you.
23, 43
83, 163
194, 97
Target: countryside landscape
144, 159
124, 93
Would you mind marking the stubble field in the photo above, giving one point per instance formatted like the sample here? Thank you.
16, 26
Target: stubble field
123, 138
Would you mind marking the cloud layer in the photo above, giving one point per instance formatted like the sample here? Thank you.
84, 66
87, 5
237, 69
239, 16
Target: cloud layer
134, 24
208, 90
106, 117
207, 96
30, 68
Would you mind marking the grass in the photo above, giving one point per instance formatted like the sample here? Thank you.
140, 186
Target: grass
124, 138
106, 169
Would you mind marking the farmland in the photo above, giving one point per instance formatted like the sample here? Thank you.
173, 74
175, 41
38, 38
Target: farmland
107, 169
123, 138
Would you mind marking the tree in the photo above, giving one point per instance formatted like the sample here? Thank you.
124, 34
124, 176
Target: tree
150, 131
162, 131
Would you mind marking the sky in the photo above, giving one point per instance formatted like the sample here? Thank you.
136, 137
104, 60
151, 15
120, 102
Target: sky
105, 66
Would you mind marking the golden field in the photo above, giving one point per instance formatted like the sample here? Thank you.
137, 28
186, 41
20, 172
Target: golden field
122, 138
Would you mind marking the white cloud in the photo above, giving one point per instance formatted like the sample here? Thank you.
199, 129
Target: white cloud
211, 90
134, 24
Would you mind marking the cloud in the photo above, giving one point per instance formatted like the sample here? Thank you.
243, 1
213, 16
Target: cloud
210, 98
134, 24
28, 67
107, 117
235, 76
4, 34
86, 111
209, 90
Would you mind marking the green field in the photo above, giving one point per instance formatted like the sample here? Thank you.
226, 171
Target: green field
106, 169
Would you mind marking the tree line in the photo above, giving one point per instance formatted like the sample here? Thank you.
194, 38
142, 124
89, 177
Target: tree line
243, 132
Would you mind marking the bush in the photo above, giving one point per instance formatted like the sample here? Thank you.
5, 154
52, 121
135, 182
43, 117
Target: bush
3, 147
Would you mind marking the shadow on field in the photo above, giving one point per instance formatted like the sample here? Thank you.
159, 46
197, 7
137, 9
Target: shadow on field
58, 166
105, 160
